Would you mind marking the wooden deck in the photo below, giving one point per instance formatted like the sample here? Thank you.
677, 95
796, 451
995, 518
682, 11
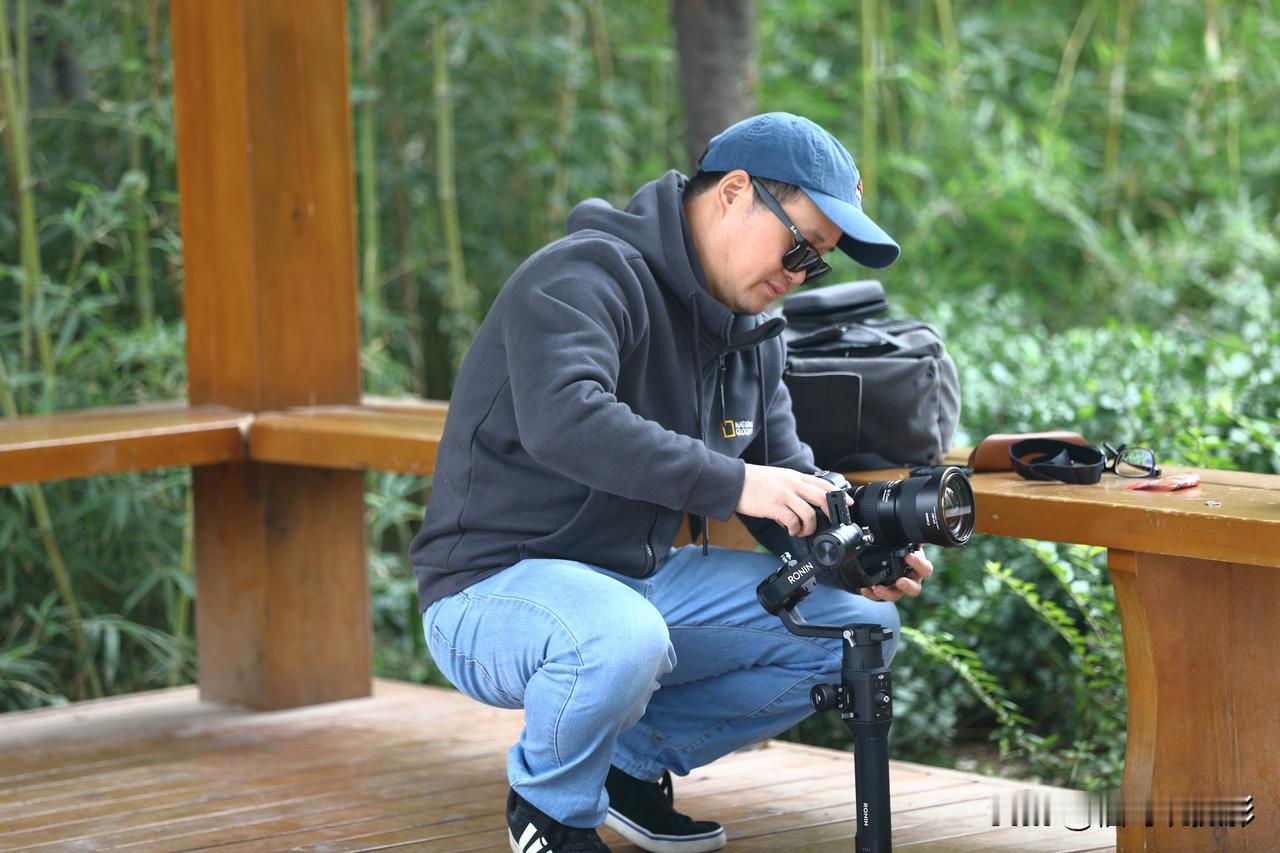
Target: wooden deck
415, 767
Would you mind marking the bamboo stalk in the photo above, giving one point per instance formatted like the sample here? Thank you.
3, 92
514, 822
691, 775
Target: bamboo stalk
659, 138
1214, 35
33, 317
410, 282
431, 357
604, 65
1234, 108
367, 146
32, 320
868, 154
1067, 65
459, 301
24, 66
28, 241
153, 48
61, 578
891, 110
139, 221
566, 112
11, 157
44, 525
186, 564
1115, 103
951, 48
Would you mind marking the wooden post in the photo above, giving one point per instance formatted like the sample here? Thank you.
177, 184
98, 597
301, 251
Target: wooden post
1200, 641
265, 176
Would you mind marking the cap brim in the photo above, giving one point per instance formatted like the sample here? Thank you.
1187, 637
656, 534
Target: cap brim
863, 240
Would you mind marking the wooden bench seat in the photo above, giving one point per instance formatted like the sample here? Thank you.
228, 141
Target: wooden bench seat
90, 442
1230, 515
386, 435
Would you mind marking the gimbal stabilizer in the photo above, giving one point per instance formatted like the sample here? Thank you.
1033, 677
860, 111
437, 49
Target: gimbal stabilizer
864, 696
887, 522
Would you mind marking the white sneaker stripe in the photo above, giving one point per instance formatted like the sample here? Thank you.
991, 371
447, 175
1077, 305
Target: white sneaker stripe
528, 837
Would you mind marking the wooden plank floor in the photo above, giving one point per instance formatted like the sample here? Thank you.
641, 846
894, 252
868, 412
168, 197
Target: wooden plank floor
415, 767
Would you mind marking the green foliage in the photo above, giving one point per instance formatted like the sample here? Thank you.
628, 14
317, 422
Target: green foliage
1092, 221
393, 508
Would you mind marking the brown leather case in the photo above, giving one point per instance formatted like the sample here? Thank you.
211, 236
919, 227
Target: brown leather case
992, 453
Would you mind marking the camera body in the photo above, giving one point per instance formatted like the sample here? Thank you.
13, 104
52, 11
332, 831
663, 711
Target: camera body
872, 530
877, 566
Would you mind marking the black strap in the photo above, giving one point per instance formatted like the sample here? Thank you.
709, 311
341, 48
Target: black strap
1051, 459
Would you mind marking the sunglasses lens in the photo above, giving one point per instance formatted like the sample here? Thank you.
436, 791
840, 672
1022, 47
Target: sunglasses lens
801, 256
816, 272
1136, 462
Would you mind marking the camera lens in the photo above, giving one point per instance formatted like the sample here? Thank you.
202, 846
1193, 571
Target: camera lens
957, 508
936, 508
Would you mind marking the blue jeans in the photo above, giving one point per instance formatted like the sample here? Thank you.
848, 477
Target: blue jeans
667, 672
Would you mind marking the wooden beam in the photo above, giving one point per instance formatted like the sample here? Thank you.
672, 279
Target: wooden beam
400, 437
112, 440
265, 176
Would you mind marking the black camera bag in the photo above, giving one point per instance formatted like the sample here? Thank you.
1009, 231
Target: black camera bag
867, 392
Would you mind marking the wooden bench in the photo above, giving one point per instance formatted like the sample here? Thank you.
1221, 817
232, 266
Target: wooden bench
114, 440
383, 434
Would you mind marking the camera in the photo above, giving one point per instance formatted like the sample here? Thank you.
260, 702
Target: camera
873, 528
868, 542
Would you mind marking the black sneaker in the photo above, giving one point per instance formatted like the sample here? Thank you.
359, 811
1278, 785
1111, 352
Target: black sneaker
531, 831
644, 814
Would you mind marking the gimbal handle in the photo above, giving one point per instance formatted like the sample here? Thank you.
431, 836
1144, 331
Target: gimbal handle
864, 698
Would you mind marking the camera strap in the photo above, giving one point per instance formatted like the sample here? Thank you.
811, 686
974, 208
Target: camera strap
1052, 459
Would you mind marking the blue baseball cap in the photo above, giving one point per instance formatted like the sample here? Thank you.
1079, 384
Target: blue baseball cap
788, 148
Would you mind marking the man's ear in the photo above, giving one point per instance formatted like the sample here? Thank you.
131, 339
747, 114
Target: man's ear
734, 189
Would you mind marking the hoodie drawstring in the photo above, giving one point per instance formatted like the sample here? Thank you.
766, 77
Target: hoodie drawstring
764, 410
697, 371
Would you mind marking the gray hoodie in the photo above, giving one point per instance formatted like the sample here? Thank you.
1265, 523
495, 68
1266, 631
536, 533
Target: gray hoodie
605, 395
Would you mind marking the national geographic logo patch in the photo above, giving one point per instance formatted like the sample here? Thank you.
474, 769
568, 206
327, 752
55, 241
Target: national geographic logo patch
737, 429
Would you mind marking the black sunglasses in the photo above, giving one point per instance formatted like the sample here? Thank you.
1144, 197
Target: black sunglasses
803, 256
1125, 461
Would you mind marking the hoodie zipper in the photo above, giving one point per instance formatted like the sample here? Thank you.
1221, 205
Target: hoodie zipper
650, 560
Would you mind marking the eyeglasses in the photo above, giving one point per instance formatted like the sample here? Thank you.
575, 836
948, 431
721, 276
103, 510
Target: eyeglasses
803, 256
1125, 461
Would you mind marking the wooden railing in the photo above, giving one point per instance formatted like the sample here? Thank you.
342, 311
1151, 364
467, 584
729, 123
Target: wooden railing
111, 441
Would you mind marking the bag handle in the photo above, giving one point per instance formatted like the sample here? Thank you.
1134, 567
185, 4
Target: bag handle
837, 331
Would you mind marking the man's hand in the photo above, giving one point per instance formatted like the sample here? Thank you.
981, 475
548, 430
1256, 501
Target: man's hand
786, 496
910, 585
